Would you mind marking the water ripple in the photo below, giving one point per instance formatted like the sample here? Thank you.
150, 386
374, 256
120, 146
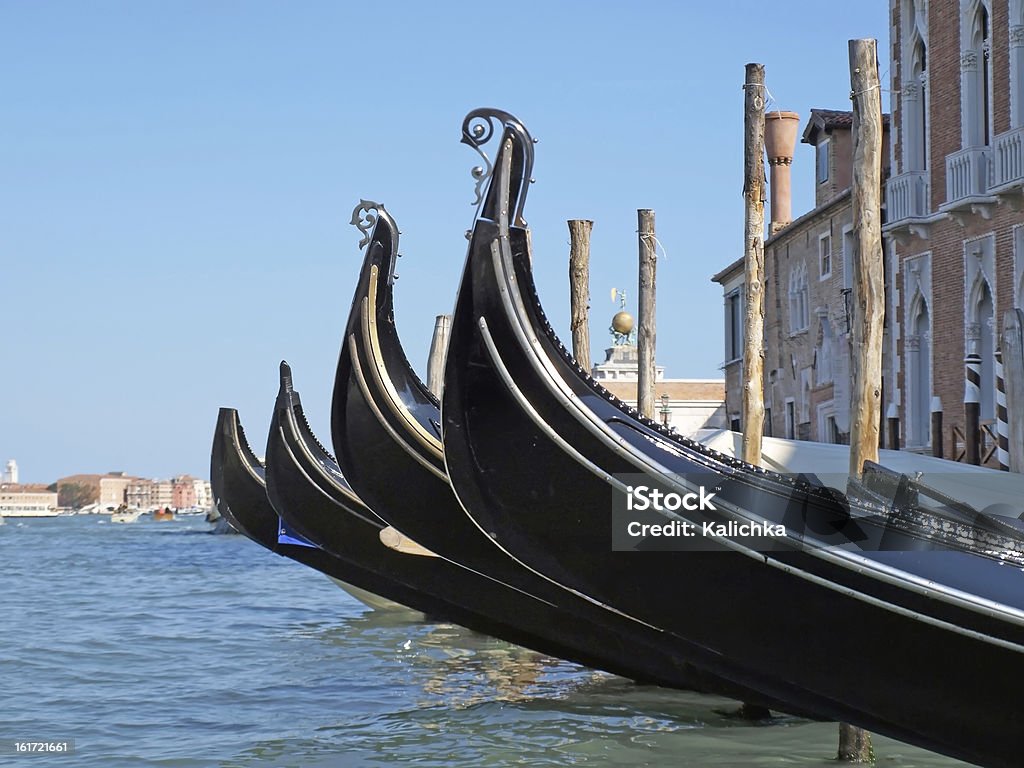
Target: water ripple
156, 644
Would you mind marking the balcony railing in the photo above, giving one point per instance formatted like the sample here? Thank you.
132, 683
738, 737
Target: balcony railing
967, 174
907, 196
1008, 164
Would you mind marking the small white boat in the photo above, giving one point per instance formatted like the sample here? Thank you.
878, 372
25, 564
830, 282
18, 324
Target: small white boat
125, 516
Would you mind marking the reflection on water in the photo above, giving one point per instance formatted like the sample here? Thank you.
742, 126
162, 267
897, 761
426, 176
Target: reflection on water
158, 645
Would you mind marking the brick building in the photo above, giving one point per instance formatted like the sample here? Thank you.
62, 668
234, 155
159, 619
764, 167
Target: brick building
954, 226
183, 492
808, 277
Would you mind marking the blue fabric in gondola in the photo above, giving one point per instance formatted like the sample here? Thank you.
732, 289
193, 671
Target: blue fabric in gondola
286, 537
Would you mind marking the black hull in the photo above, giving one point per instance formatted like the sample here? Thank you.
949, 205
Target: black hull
385, 432
308, 490
532, 447
239, 492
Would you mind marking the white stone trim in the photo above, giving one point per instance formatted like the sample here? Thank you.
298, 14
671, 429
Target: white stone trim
831, 255
1018, 266
824, 411
917, 277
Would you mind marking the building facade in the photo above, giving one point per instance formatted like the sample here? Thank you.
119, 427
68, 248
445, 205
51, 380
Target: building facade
27, 500
107, 491
953, 222
183, 492
686, 405
203, 494
808, 280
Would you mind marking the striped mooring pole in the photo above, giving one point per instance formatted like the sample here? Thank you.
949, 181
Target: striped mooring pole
972, 408
1002, 417
937, 426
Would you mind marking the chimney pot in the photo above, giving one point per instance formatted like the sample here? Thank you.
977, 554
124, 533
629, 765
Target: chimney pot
780, 129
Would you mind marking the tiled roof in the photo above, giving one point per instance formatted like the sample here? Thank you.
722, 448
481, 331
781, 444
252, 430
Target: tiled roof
830, 119
23, 487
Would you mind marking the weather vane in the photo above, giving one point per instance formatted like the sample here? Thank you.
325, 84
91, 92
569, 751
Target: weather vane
622, 329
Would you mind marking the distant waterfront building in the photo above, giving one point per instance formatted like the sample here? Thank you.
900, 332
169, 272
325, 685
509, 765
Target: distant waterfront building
11, 472
139, 493
686, 405
27, 500
621, 363
183, 492
107, 490
162, 494
204, 494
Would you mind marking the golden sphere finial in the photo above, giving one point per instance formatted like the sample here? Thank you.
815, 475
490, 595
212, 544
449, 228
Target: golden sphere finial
622, 322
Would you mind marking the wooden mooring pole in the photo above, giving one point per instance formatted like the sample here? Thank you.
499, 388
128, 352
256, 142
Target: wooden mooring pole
752, 408
868, 296
1002, 418
972, 408
937, 427
579, 289
752, 416
1012, 343
645, 335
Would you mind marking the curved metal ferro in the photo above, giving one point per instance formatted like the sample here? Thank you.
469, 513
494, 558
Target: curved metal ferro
478, 128
365, 217
368, 217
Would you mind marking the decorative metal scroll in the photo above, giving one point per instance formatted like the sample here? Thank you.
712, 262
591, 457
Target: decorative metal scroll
370, 216
478, 128
364, 218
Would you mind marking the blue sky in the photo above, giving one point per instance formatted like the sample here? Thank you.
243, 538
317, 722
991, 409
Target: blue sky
176, 181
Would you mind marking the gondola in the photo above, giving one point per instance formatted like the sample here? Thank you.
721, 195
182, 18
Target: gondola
385, 430
237, 479
923, 646
308, 490
310, 493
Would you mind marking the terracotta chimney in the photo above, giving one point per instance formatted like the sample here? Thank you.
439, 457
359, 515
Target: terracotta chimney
780, 129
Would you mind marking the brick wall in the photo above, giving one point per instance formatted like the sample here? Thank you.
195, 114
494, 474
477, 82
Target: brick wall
946, 237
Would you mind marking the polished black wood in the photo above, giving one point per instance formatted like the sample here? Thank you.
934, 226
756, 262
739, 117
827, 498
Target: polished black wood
385, 429
238, 483
311, 494
927, 647
309, 491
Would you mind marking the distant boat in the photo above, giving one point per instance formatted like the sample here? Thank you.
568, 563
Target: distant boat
125, 516
163, 514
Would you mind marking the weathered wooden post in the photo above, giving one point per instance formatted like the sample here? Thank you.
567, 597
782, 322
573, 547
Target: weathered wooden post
753, 259
937, 427
892, 417
1013, 373
1002, 428
868, 296
645, 338
438, 351
579, 289
972, 408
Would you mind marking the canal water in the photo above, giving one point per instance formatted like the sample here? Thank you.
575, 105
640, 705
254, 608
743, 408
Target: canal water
159, 644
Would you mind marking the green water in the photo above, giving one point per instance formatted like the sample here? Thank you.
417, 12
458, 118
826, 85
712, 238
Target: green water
157, 644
